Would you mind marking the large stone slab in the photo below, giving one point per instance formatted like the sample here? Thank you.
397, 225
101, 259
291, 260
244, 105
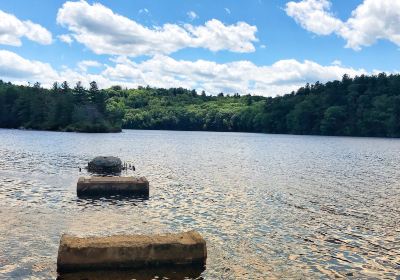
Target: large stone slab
98, 186
130, 251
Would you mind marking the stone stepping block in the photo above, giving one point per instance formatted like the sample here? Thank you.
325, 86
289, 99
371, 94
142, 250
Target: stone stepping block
98, 186
130, 252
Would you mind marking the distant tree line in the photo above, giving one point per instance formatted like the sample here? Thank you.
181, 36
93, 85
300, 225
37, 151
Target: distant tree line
360, 106
61, 108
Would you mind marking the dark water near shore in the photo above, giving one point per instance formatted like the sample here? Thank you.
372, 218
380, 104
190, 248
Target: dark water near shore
269, 206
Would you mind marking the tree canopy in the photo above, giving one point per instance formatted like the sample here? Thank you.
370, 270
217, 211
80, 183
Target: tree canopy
360, 106
60, 108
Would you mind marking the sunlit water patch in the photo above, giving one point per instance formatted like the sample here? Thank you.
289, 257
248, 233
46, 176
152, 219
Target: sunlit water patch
269, 206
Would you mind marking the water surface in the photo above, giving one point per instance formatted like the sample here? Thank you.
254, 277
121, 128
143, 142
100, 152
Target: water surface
269, 206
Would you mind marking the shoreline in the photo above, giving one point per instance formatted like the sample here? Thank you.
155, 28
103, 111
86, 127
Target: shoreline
204, 131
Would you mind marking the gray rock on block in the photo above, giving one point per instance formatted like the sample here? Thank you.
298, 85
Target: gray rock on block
98, 186
105, 165
130, 251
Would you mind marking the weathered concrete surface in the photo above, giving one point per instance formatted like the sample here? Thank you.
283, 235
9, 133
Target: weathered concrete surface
95, 186
105, 165
130, 251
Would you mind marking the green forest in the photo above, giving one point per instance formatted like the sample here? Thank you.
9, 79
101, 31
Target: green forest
359, 106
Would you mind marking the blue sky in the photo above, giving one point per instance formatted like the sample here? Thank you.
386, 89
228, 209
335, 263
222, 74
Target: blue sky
265, 47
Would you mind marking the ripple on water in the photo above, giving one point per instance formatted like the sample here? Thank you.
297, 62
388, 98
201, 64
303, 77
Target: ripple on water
268, 205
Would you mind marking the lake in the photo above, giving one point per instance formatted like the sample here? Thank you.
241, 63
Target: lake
269, 206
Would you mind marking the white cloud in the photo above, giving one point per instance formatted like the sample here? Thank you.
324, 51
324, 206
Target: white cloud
372, 20
12, 29
192, 15
143, 11
240, 76
85, 64
20, 70
16, 68
104, 32
314, 16
163, 71
66, 38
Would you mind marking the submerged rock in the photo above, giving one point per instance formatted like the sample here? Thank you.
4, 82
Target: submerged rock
162, 272
105, 165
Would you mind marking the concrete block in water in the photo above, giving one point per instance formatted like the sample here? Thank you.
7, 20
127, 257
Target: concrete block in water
96, 186
130, 251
